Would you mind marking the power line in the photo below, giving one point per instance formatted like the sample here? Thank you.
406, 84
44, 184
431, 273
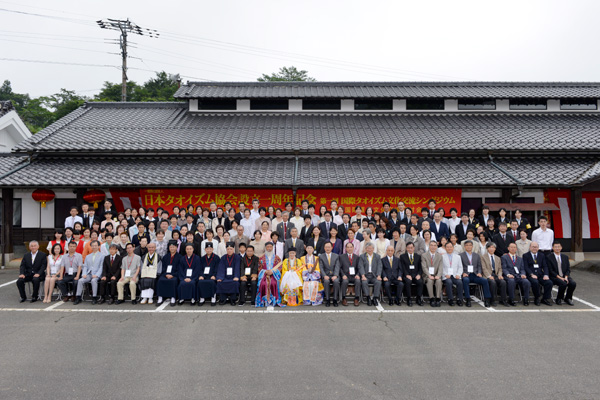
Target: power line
55, 46
58, 62
63, 19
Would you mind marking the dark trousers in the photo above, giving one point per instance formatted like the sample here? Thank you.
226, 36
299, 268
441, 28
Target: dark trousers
63, 284
473, 278
459, 287
512, 283
496, 284
536, 284
112, 284
351, 280
562, 286
327, 283
371, 279
36, 285
408, 287
387, 288
245, 287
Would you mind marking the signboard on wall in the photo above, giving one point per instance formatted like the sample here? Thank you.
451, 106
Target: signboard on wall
561, 219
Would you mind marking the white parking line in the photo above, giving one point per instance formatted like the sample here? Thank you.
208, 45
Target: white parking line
162, 306
55, 305
8, 283
587, 303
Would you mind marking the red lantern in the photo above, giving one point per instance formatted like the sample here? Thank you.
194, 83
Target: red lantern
94, 196
43, 196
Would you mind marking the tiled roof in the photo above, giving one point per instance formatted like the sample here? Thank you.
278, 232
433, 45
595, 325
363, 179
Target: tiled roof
155, 171
591, 174
8, 163
315, 171
245, 90
168, 127
6, 106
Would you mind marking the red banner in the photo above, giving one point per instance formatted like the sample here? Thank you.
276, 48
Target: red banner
350, 198
169, 198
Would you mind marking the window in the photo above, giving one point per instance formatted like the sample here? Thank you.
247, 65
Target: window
16, 212
217, 104
528, 104
269, 104
373, 104
424, 104
321, 104
578, 104
476, 104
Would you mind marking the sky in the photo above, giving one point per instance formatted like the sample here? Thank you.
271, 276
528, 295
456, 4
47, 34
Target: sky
238, 40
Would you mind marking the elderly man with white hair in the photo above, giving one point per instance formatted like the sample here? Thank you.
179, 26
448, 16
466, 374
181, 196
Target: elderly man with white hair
33, 269
370, 270
151, 268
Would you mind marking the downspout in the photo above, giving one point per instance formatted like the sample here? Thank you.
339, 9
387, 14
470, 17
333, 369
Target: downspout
505, 172
295, 179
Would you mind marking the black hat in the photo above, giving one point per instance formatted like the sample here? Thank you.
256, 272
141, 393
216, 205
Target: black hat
173, 242
292, 249
230, 244
208, 244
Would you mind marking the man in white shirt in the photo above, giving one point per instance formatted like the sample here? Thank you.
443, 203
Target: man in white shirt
70, 221
91, 272
451, 275
255, 213
544, 236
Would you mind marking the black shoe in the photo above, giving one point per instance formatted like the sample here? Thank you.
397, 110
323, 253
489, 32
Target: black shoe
241, 303
213, 303
375, 301
94, 301
468, 302
391, 302
451, 303
232, 302
398, 302
120, 301
547, 302
111, 301
459, 303
34, 300
327, 303
432, 302
369, 302
512, 303
102, 300
22, 300
438, 302
134, 301
159, 303
253, 304
494, 303
419, 302
335, 303
569, 302
222, 302
486, 303
536, 301
77, 301
558, 302
525, 302
409, 302
201, 303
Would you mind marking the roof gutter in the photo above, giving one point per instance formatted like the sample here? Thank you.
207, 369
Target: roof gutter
505, 172
20, 167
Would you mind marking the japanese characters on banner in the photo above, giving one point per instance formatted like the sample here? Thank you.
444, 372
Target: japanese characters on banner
561, 219
350, 198
169, 198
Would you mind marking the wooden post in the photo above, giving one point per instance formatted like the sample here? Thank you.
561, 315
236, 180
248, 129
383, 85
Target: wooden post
7, 224
576, 224
80, 193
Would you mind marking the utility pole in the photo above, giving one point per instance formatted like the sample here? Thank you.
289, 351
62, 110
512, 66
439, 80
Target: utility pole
125, 26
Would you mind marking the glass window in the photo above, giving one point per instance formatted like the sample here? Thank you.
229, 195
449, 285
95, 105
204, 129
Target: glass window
528, 104
17, 212
424, 104
217, 104
269, 104
373, 104
578, 104
476, 104
321, 104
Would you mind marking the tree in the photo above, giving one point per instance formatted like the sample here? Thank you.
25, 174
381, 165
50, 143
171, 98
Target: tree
160, 88
287, 74
18, 100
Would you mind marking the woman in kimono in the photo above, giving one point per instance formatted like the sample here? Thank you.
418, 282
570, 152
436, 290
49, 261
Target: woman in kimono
189, 272
166, 286
268, 278
207, 282
228, 276
312, 288
291, 279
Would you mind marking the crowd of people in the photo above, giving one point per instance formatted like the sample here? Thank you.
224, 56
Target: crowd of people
295, 256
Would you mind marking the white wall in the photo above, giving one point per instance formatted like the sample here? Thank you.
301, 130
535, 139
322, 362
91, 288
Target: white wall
30, 217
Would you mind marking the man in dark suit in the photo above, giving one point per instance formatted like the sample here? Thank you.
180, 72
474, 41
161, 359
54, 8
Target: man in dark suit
370, 270
513, 270
284, 228
330, 271
349, 274
33, 269
306, 230
463, 227
522, 222
392, 274
424, 217
326, 225
502, 240
439, 228
473, 273
402, 213
111, 273
485, 216
559, 269
537, 274
240, 215
89, 218
295, 242
386, 212
394, 222
411, 268
344, 227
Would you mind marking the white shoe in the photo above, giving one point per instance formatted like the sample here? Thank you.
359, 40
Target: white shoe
144, 301
151, 301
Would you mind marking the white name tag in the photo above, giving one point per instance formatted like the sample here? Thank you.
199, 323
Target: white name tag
516, 270
127, 273
206, 270
351, 270
431, 269
71, 271
247, 271
229, 271
169, 269
411, 267
53, 270
188, 272
469, 268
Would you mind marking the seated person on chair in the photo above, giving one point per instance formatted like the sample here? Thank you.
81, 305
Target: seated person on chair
33, 269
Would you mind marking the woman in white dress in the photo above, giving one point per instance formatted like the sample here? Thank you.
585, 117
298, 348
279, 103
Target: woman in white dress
222, 246
381, 243
297, 220
523, 243
53, 271
277, 220
210, 238
247, 223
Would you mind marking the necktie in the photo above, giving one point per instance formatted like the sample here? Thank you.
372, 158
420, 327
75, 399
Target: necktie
346, 226
560, 272
503, 237
294, 242
350, 258
284, 230
411, 258
493, 264
329, 258
514, 261
327, 227
112, 260
535, 258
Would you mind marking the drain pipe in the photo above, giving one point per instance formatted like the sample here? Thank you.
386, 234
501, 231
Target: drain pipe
294, 188
505, 172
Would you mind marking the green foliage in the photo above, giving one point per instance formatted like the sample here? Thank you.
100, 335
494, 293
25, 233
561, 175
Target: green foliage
287, 74
159, 88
